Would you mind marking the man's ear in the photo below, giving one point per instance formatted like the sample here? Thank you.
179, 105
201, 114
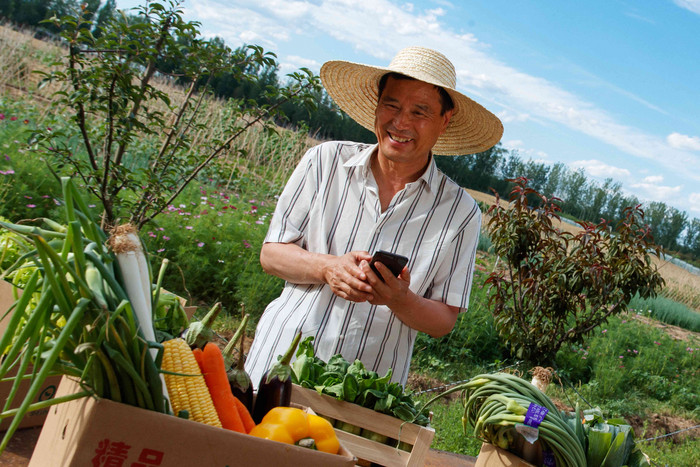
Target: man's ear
447, 116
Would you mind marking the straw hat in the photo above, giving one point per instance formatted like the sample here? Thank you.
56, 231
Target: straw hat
354, 87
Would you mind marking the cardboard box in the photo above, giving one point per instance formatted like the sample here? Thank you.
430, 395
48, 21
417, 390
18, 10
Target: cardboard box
102, 432
48, 391
493, 456
367, 450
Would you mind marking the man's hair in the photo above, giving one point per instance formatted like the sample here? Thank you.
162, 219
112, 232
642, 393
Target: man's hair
445, 99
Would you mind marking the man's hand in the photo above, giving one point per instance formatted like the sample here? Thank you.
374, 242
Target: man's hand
299, 266
392, 291
345, 277
429, 316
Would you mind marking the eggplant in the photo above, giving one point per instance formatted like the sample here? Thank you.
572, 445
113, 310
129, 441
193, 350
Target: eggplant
275, 388
238, 379
198, 333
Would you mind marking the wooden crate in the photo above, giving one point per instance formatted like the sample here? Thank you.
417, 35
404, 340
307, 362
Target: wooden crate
367, 450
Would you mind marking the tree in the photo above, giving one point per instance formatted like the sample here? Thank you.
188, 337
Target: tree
115, 107
574, 189
556, 287
692, 237
553, 187
674, 223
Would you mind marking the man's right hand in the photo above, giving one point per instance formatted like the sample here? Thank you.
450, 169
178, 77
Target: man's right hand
345, 278
297, 265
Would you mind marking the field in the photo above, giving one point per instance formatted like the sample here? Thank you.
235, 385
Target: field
656, 388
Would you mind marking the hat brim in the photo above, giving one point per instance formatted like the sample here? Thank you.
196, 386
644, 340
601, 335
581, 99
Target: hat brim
354, 88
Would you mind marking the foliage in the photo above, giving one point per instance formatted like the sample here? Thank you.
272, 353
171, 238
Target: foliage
352, 382
115, 104
213, 238
472, 341
27, 188
628, 360
556, 287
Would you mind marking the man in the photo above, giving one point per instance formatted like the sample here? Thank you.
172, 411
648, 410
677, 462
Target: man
347, 200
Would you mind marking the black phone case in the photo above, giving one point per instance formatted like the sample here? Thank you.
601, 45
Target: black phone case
394, 262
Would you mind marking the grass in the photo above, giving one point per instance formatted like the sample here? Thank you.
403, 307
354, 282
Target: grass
668, 311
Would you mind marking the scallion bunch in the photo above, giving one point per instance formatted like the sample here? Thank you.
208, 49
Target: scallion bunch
75, 318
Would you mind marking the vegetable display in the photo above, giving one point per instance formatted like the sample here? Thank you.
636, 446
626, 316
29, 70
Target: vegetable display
513, 414
75, 318
352, 382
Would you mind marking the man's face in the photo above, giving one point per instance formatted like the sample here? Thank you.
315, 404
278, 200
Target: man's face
408, 121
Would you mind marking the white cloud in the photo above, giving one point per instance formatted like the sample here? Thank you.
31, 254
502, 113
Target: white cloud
694, 202
653, 179
679, 141
508, 116
514, 144
292, 63
692, 5
600, 169
651, 189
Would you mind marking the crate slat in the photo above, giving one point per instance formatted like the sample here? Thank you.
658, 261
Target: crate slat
418, 437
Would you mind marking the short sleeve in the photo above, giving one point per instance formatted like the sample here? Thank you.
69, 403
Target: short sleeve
291, 217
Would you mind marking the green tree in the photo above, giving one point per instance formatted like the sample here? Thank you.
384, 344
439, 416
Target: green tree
574, 191
556, 287
555, 179
116, 107
673, 225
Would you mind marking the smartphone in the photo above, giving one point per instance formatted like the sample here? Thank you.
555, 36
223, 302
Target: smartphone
394, 262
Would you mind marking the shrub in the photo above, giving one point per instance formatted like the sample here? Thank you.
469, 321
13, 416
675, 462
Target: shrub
556, 287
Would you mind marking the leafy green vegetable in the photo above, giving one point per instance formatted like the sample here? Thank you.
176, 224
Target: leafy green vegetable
352, 382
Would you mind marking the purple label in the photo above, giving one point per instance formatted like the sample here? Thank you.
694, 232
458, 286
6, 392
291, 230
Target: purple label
535, 414
548, 459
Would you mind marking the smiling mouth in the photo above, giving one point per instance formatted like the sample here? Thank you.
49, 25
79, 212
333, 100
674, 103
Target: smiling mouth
398, 139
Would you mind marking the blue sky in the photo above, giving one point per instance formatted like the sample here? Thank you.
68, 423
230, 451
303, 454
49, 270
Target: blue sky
607, 85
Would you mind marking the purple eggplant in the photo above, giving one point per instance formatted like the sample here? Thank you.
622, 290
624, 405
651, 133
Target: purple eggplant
275, 387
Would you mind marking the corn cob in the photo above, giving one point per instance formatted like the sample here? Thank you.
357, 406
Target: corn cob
188, 393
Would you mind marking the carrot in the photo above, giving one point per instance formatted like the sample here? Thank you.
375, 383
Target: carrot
198, 356
214, 371
246, 418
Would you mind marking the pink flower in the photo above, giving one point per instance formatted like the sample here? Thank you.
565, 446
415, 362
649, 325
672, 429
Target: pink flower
188, 227
13, 119
200, 244
166, 238
161, 250
31, 205
246, 244
2, 117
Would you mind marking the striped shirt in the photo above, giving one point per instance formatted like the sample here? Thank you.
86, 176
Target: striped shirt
331, 205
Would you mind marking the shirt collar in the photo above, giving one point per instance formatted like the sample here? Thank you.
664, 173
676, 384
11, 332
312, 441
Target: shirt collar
363, 158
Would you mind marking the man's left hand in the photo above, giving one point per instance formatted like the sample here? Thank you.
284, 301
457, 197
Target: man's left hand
393, 291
